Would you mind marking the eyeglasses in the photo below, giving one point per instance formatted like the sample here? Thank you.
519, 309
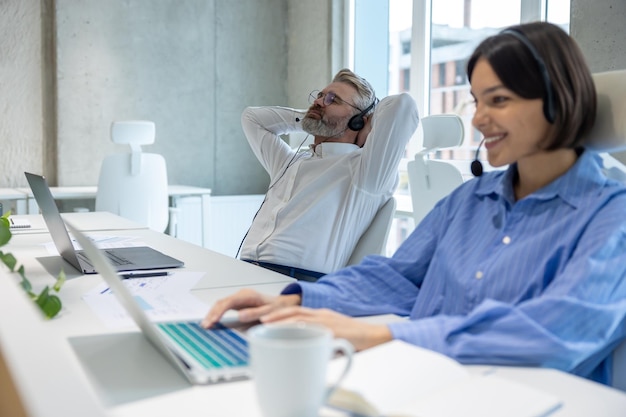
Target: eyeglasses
328, 98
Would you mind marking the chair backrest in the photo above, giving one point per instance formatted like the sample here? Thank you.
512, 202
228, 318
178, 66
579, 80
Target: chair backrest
431, 180
619, 367
610, 126
374, 239
134, 185
610, 129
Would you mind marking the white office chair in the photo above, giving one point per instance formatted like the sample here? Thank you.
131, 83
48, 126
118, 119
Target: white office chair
610, 128
134, 185
430, 180
374, 239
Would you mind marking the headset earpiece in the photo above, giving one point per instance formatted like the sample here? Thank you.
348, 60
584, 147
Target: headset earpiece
357, 122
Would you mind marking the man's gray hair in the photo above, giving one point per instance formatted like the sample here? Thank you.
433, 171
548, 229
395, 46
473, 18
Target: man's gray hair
365, 92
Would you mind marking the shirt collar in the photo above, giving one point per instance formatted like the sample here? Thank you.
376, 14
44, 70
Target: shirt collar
586, 173
333, 148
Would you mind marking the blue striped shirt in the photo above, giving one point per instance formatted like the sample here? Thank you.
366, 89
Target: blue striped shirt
490, 280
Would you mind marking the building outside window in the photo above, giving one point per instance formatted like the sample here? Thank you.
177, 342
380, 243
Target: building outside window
448, 31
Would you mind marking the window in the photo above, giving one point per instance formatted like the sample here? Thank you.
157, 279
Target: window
440, 35
406, 47
460, 75
406, 77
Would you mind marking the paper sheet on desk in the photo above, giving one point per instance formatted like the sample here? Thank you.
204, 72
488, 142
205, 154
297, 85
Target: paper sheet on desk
398, 379
103, 242
166, 298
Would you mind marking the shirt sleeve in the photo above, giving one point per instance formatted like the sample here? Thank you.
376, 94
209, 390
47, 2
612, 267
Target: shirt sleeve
393, 123
380, 285
263, 127
575, 321
573, 325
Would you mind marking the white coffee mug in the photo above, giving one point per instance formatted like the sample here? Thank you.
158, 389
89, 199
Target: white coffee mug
289, 364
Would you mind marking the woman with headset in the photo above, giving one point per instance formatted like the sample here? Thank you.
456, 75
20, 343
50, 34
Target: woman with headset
524, 266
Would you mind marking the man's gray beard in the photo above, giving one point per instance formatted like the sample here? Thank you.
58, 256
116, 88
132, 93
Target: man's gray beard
318, 127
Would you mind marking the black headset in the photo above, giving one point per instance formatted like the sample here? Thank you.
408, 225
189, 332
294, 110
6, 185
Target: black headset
548, 100
357, 122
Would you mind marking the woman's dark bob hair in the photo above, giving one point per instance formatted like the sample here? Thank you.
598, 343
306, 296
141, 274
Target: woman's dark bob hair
573, 91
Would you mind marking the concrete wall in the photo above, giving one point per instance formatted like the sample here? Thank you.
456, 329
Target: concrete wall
21, 85
71, 67
313, 27
190, 66
599, 28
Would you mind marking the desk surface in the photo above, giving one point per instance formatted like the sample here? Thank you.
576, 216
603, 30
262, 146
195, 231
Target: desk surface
90, 221
109, 359
90, 191
11, 194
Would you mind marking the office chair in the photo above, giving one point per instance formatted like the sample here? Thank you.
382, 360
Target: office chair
430, 180
374, 239
134, 185
610, 129
610, 126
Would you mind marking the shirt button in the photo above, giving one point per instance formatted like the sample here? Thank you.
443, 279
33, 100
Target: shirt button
506, 240
479, 275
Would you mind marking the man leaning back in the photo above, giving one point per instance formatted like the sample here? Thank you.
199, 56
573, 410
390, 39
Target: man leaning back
319, 202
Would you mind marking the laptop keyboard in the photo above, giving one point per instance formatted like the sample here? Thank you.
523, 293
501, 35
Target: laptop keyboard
218, 347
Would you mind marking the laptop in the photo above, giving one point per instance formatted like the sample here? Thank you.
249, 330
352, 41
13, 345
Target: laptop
124, 259
203, 356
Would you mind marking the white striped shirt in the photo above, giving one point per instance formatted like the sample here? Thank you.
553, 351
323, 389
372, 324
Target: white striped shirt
320, 203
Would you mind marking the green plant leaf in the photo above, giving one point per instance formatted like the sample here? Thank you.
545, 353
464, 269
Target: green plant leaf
5, 231
25, 282
4, 219
9, 260
42, 298
51, 306
60, 281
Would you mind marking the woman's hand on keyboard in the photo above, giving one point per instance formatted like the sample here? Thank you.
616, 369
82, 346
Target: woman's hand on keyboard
251, 305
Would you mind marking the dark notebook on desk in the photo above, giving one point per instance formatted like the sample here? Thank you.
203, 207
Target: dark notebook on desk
203, 356
124, 259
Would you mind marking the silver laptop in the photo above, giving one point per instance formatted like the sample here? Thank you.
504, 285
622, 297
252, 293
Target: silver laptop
203, 356
124, 259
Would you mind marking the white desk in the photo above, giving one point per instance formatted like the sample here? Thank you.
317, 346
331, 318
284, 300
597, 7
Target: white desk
129, 378
581, 397
14, 197
90, 191
94, 221
177, 193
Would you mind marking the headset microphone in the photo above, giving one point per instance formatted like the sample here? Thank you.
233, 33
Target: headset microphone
477, 166
297, 119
